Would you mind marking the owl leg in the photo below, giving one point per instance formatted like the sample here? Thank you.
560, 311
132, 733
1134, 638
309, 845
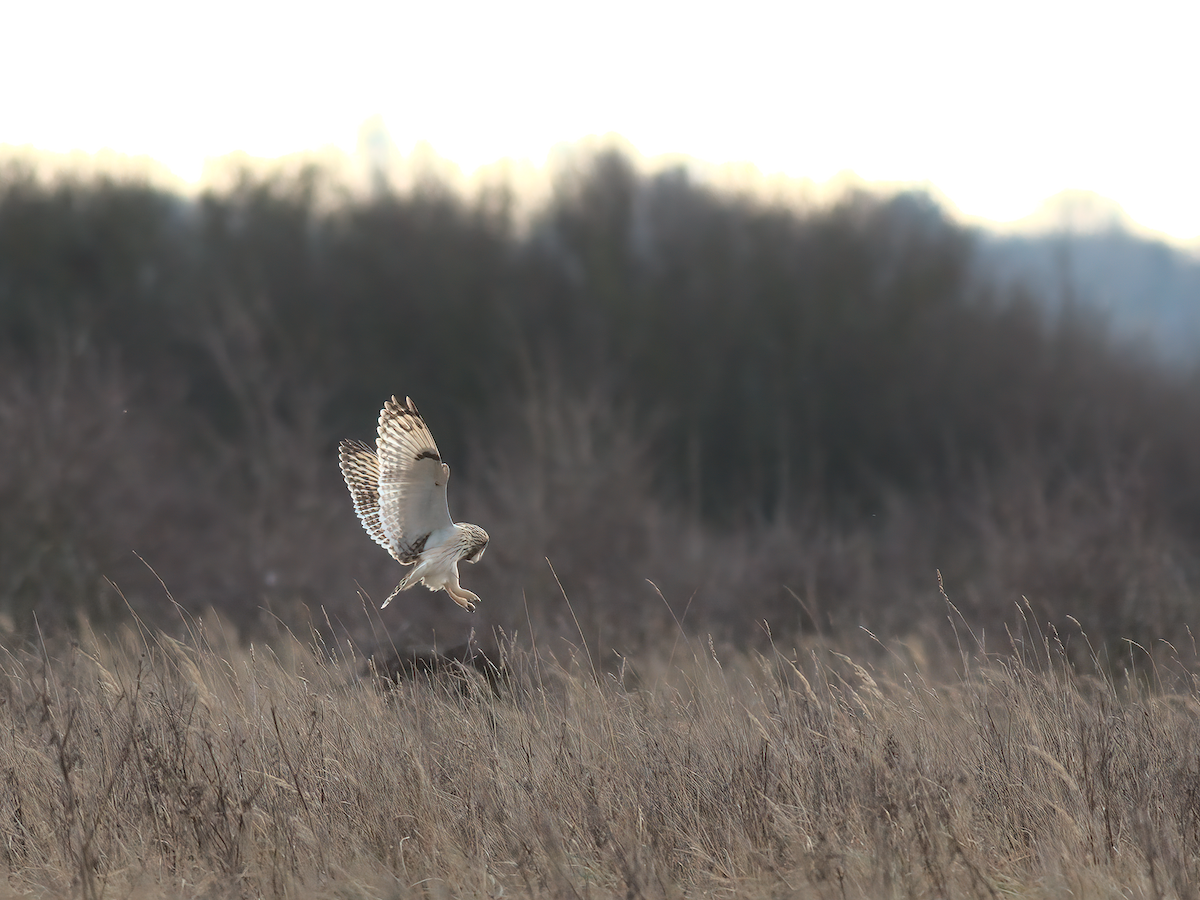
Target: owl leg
460, 594
463, 598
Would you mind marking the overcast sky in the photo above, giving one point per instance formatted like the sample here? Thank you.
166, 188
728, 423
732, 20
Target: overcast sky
998, 105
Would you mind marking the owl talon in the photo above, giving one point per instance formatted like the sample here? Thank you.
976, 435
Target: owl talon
467, 602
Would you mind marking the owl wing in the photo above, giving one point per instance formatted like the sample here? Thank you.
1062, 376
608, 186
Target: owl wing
412, 481
360, 468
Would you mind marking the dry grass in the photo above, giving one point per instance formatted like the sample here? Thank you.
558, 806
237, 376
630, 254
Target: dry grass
144, 766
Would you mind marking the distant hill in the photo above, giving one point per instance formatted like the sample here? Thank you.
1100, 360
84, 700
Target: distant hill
1082, 248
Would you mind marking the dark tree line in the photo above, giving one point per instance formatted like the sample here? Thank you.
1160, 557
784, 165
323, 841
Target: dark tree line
780, 358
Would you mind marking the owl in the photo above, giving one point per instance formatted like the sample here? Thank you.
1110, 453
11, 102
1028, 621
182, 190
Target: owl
399, 493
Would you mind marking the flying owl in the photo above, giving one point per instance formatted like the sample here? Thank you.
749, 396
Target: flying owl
399, 493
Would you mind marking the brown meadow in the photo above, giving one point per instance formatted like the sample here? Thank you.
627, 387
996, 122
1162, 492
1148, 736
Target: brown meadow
709, 413
144, 766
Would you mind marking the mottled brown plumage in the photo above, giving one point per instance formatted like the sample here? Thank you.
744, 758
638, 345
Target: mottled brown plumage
399, 493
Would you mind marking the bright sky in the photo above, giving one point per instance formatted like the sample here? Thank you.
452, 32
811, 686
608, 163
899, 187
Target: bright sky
997, 104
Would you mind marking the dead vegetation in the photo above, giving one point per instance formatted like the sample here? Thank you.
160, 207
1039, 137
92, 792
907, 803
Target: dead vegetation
755, 416
141, 765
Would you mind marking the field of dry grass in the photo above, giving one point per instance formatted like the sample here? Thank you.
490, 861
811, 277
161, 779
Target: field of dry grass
749, 416
139, 765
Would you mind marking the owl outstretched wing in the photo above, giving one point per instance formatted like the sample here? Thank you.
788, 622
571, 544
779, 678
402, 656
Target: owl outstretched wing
360, 468
412, 481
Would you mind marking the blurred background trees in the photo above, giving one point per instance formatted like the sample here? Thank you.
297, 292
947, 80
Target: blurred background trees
774, 413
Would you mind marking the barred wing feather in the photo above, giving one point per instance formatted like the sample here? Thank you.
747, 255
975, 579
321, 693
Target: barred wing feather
360, 468
412, 481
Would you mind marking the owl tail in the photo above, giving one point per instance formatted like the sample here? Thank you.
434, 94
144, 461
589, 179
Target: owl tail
402, 586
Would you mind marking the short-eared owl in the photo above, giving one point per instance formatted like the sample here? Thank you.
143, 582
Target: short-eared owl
399, 492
